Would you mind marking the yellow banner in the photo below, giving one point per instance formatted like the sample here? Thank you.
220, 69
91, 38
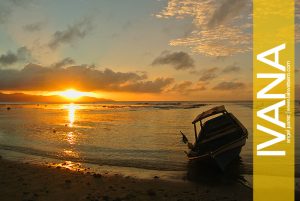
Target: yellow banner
273, 96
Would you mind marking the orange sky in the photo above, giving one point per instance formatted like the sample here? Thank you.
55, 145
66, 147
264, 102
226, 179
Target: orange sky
147, 50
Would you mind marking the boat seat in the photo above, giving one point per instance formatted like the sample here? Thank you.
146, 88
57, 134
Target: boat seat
218, 128
220, 133
217, 123
211, 144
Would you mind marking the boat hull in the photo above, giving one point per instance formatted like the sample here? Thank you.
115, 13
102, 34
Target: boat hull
221, 160
222, 156
224, 159
220, 139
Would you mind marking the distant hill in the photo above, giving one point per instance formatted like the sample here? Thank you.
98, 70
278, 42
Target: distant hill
21, 97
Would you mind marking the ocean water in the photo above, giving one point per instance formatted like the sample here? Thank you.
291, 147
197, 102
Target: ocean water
136, 135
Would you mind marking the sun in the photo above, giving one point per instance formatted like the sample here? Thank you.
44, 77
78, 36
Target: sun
71, 94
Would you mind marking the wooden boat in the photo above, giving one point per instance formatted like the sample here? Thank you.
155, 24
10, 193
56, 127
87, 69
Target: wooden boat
220, 139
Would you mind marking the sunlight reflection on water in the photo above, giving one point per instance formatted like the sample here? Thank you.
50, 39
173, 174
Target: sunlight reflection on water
72, 109
140, 135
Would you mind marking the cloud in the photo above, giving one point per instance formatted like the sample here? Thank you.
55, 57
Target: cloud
154, 86
37, 26
231, 68
7, 7
220, 42
9, 58
20, 3
220, 28
5, 11
227, 10
34, 77
215, 72
178, 60
229, 85
187, 87
63, 62
209, 74
71, 34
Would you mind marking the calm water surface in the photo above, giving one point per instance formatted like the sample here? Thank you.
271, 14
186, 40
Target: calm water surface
141, 135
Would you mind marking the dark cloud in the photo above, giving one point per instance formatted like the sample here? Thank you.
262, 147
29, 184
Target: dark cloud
229, 85
178, 60
34, 77
7, 7
187, 87
154, 86
37, 26
231, 68
71, 34
4, 13
214, 72
182, 86
209, 74
64, 62
9, 58
227, 10
21, 3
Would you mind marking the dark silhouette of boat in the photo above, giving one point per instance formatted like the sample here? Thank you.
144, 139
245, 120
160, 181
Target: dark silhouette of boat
220, 139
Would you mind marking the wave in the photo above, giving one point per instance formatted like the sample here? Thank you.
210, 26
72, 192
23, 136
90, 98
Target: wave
116, 105
140, 162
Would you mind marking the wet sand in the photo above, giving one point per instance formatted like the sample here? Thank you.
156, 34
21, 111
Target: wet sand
23, 181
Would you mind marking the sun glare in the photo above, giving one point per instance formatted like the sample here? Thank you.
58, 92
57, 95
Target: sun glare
72, 94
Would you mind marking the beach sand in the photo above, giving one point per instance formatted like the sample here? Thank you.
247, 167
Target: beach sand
23, 181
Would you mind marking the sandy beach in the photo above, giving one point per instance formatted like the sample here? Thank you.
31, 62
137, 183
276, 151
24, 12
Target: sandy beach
23, 181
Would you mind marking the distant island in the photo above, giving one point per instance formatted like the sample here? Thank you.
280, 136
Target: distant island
21, 97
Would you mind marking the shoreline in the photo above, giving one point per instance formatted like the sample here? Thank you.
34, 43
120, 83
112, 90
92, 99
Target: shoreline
24, 181
14, 156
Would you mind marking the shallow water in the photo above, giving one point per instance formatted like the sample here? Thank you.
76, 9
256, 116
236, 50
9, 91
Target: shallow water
139, 135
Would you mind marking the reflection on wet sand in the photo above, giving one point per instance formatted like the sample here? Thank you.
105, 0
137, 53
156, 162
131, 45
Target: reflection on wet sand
71, 153
69, 165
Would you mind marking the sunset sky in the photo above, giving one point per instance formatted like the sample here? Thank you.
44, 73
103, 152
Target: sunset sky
128, 50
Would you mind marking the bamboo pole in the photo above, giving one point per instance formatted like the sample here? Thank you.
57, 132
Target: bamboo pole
195, 129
